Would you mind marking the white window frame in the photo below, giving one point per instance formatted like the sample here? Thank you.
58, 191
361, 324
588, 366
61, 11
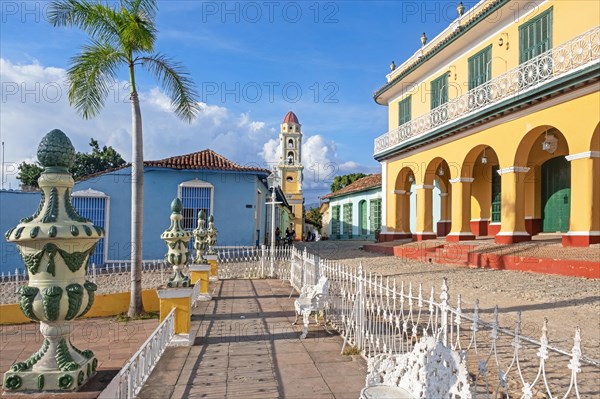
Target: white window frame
91, 193
197, 183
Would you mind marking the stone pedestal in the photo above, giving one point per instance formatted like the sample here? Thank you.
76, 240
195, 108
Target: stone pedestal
56, 244
214, 269
179, 299
201, 273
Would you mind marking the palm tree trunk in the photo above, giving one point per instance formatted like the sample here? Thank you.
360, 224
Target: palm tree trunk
137, 200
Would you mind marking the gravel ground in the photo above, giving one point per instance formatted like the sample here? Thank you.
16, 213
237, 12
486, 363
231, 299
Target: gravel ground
567, 302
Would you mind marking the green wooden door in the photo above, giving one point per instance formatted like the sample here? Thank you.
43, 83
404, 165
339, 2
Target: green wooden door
363, 217
496, 195
556, 195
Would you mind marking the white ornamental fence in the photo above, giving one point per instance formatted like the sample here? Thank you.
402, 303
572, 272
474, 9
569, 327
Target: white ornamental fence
130, 380
379, 315
111, 278
578, 53
376, 315
114, 276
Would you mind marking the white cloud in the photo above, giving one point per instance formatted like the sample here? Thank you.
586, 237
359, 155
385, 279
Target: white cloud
320, 159
34, 101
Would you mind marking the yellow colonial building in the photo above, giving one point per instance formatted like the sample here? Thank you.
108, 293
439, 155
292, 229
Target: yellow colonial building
501, 113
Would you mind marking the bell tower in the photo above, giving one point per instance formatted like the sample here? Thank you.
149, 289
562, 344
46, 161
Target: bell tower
290, 168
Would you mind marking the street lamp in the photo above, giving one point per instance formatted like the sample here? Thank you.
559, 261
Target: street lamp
273, 181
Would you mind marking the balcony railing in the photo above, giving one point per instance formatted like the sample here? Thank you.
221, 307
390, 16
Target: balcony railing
577, 53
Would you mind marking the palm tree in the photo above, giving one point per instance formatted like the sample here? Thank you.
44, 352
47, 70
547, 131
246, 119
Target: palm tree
122, 36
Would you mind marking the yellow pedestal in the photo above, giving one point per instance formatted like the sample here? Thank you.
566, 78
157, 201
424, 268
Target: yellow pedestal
201, 273
212, 261
179, 299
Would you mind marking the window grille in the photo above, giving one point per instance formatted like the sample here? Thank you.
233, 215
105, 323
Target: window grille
93, 205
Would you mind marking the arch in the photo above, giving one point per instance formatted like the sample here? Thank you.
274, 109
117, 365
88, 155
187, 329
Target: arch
290, 157
434, 217
481, 164
530, 146
290, 143
595, 142
437, 168
404, 179
402, 191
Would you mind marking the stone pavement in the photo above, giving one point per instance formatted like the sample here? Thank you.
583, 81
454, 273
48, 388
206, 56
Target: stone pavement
247, 348
112, 342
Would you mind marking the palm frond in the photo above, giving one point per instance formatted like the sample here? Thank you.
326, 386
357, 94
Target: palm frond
100, 21
137, 33
92, 77
176, 82
142, 7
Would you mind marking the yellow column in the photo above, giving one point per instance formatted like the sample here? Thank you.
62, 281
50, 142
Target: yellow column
179, 299
201, 273
512, 229
443, 227
402, 214
212, 261
424, 213
461, 210
584, 222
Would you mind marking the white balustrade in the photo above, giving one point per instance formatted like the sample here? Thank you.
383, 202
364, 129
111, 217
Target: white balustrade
576, 54
130, 380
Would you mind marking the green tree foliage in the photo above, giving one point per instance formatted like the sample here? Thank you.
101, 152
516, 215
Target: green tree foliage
29, 174
314, 216
85, 164
340, 182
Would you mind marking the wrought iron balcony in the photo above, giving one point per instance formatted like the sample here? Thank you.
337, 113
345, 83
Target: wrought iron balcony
578, 53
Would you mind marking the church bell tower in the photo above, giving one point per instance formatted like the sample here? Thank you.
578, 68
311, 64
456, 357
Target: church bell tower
290, 169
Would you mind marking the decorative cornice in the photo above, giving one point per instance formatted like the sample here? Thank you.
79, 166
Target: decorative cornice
514, 169
399, 192
495, 5
443, 195
424, 186
583, 155
511, 105
462, 180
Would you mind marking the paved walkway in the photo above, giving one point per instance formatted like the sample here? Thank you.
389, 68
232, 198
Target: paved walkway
112, 342
247, 348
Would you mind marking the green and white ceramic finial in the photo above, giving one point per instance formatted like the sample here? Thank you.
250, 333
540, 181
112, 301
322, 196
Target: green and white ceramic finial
56, 244
177, 239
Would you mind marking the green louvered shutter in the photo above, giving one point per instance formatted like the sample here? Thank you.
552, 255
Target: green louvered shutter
404, 111
480, 67
439, 91
535, 36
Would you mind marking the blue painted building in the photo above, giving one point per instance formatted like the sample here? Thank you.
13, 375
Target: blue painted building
234, 194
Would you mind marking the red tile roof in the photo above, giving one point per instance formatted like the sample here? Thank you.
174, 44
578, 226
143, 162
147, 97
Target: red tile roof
290, 117
365, 183
205, 159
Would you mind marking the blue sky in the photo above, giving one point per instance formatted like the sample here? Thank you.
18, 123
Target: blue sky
252, 62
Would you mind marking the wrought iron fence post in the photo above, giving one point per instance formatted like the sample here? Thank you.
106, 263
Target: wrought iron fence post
444, 296
360, 308
263, 255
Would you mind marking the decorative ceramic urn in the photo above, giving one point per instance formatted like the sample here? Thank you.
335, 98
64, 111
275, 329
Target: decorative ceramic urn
55, 244
200, 240
177, 239
211, 236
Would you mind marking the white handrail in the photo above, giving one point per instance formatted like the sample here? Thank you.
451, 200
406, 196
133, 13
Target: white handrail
130, 380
